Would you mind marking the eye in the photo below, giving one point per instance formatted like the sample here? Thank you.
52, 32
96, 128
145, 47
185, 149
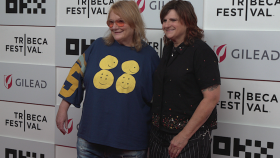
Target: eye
120, 21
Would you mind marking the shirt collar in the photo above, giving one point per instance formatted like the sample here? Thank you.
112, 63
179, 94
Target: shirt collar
180, 49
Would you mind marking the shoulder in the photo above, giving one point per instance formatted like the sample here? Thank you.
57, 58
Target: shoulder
99, 40
148, 50
202, 48
201, 45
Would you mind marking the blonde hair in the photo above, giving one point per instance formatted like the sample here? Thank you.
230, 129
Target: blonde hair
128, 10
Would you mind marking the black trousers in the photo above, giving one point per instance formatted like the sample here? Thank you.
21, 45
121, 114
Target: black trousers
198, 146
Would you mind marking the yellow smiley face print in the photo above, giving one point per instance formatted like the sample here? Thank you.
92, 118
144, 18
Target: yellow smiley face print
125, 83
130, 67
103, 79
108, 62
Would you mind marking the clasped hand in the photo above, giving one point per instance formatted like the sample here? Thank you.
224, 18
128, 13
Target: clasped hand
176, 145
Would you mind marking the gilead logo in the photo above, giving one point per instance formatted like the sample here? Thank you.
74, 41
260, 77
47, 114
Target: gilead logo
221, 52
70, 129
141, 4
8, 82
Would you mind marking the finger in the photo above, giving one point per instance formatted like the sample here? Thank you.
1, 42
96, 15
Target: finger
177, 153
169, 150
66, 124
62, 131
61, 128
172, 152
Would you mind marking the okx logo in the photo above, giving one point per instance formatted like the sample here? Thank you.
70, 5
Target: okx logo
20, 154
141, 5
31, 6
222, 146
8, 82
221, 52
75, 46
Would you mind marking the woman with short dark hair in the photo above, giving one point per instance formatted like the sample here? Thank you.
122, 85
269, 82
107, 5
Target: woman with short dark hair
186, 88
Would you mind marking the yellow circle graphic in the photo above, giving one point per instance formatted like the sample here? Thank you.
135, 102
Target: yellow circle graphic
130, 67
125, 83
108, 62
103, 79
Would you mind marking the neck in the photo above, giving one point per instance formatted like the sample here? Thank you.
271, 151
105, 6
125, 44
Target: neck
127, 44
177, 43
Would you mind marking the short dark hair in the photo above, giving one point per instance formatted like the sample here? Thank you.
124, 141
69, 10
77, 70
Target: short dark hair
187, 16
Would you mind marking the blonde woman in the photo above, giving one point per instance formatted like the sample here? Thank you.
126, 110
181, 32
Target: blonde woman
116, 72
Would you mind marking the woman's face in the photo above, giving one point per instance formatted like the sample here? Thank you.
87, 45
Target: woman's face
124, 34
173, 28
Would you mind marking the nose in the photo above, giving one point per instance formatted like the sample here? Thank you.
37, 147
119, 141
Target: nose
115, 26
165, 24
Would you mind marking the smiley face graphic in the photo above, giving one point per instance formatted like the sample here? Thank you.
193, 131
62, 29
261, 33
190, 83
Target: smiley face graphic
103, 79
130, 67
125, 83
108, 62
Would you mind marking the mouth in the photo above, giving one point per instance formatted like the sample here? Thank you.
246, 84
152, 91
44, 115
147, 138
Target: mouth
168, 30
102, 84
123, 87
131, 71
117, 32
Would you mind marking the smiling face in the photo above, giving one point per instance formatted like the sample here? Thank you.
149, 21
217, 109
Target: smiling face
108, 62
130, 67
103, 79
123, 35
125, 83
173, 28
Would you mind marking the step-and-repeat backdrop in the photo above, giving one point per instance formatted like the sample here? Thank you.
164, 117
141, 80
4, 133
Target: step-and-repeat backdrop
41, 39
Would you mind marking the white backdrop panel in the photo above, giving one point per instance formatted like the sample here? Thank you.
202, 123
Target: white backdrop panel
155, 40
72, 41
65, 152
240, 141
246, 54
249, 102
34, 45
242, 15
27, 83
27, 121
23, 12
95, 12
151, 12
20, 148
69, 139
83, 12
